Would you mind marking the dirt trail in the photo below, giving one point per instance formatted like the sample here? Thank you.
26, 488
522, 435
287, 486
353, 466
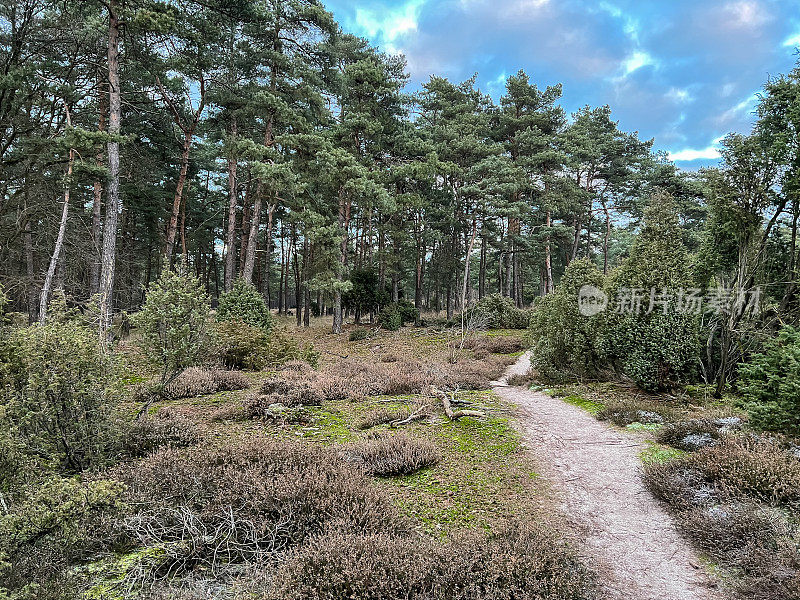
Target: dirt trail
631, 540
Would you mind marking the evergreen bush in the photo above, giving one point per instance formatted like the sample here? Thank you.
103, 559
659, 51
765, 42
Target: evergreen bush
244, 303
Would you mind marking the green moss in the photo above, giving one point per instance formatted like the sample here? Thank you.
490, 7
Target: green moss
658, 454
589, 406
109, 575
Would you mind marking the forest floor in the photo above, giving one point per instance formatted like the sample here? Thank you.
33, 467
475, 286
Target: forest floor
631, 541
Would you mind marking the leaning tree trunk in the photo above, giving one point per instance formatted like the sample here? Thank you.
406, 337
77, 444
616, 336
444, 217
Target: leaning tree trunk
177, 201
114, 203
230, 237
62, 228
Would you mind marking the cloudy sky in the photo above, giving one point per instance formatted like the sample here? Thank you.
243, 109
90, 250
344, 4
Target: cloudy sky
684, 72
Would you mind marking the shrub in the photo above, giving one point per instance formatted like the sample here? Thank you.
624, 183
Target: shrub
393, 454
518, 561
242, 346
245, 304
358, 334
770, 383
56, 404
408, 312
165, 428
390, 317
690, 435
201, 382
54, 524
565, 342
504, 345
172, 325
499, 312
246, 501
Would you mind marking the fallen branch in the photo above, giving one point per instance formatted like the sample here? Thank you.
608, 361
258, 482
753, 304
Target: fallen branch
448, 408
414, 416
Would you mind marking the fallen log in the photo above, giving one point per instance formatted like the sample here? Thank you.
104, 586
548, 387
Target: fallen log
447, 403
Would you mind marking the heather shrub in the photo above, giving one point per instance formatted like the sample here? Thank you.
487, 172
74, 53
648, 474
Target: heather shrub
393, 454
215, 506
690, 435
172, 326
165, 428
56, 407
770, 383
504, 345
381, 416
195, 381
757, 467
518, 561
245, 304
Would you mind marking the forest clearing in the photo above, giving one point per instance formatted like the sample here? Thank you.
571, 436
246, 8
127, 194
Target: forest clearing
296, 302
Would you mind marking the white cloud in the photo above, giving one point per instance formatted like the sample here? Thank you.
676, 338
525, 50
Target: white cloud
710, 153
679, 95
389, 25
637, 60
746, 13
792, 41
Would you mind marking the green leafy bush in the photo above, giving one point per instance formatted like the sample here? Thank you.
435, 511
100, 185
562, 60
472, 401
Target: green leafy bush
245, 304
56, 405
770, 383
565, 342
408, 312
173, 325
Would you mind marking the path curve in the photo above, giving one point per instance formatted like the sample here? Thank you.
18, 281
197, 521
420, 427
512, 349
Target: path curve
629, 537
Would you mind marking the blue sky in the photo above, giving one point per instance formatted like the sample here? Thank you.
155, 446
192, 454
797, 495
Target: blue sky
680, 71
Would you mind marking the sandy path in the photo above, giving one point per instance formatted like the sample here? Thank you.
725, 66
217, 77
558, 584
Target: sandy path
630, 539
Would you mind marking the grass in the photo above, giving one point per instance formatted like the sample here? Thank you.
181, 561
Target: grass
591, 406
657, 454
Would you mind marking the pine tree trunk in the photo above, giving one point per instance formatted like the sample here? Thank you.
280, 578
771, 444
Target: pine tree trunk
172, 228
97, 202
482, 268
548, 262
114, 202
62, 229
233, 200
337, 297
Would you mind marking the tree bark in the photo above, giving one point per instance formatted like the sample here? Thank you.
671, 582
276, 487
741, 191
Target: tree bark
97, 202
62, 229
114, 203
337, 295
230, 237
548, 261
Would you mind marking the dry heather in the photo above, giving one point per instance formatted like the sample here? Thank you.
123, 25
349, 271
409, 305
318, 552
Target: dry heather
165, 428
212, 507
386, 455
735, 500
381, 416
354, 379
200, 382
519, 561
